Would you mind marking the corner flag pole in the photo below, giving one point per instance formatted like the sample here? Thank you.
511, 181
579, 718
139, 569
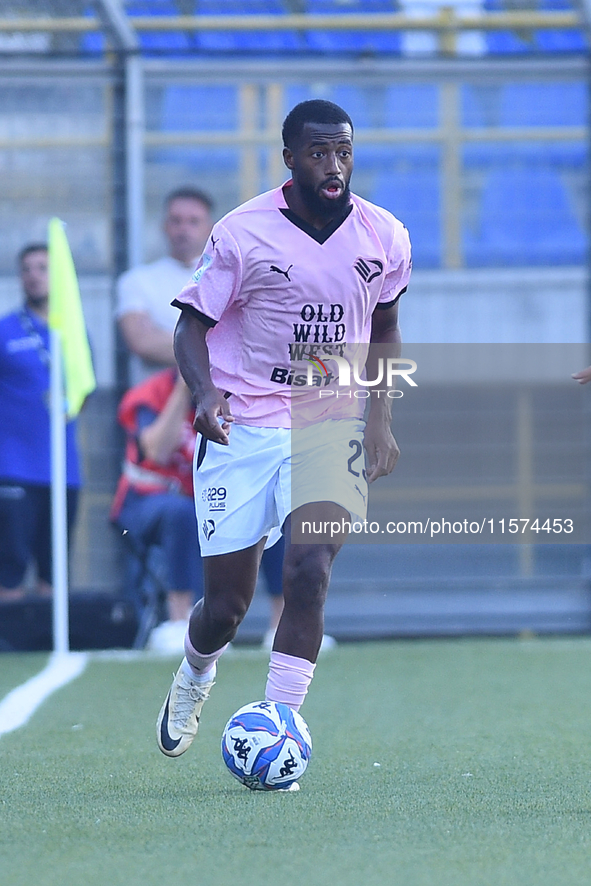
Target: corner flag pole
59, 514
71, 380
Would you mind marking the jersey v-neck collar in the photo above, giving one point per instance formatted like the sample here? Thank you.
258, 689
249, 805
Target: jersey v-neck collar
320, 235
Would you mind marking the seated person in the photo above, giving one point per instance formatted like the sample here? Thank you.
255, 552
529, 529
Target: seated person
154, 497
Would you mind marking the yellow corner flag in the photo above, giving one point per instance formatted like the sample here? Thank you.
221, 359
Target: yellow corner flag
66, 318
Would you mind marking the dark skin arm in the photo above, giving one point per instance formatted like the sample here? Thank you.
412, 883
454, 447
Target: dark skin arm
192, 355
381, 447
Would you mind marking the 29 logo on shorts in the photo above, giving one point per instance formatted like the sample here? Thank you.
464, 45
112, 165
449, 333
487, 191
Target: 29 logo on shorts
216, 498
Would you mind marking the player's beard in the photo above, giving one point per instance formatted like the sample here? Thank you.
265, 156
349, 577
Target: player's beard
320, 207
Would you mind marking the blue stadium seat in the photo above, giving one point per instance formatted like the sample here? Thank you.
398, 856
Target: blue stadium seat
511, 42
531, 155
249, 41
195, 109
360, 42
187, 108
358, 101
94, 41
201, 161
412, 105
159, 42
408, 105
409, 188
561, 41
526, 218
525, 104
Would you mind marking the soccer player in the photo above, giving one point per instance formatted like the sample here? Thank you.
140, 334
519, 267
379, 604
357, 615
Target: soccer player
309, 263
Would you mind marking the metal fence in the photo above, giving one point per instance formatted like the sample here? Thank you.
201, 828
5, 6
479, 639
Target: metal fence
485, 161
484, 158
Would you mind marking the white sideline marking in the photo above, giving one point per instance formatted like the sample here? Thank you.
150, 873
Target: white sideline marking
19, 705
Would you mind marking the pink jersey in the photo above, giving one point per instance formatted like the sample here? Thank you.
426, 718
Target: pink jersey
275, 290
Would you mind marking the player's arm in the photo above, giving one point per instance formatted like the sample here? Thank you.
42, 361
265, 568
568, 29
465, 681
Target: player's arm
192, 355
379, 442
583, 376
144, 338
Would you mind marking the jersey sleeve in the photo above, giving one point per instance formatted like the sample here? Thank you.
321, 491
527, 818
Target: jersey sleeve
217, 278
398, 268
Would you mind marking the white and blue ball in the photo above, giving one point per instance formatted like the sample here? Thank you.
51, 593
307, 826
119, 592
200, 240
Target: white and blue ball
266, 745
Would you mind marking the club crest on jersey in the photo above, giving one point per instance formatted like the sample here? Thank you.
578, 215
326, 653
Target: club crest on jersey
368, 268
208, 527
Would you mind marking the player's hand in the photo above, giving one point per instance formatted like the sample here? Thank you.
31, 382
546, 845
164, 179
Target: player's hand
213, 418
382, 450
583, 376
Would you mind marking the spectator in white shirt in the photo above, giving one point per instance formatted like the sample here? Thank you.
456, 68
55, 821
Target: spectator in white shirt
144, 293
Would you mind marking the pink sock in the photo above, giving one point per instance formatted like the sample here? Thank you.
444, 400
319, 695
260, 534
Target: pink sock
288, 680
201, 664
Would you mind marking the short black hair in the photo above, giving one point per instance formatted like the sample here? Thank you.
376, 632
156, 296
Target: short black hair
28, 249
316, 110
189, 193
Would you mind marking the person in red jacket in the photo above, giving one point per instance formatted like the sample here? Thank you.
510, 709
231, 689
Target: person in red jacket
154, 497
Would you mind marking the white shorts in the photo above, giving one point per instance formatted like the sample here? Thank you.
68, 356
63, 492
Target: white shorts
245, 491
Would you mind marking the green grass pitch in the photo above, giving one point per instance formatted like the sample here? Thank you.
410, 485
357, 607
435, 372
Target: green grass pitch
484, 779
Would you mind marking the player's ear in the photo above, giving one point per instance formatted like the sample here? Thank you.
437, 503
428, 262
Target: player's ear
288, 158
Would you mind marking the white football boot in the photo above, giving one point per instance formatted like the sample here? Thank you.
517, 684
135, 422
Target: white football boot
178, 720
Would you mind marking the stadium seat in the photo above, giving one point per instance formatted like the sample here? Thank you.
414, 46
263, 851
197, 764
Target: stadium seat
525, 104
154, 42
202, 162
94, 41
360, 42
561, 41
555, 155
247, 41
409, 105
412, 105
198, 108
525, 218
409, 187
195, 109
512, 42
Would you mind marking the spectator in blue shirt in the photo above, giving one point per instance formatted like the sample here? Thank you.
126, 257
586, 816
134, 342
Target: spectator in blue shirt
25, 474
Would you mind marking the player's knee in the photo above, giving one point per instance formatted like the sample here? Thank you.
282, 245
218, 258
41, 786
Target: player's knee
225, 614
307, 575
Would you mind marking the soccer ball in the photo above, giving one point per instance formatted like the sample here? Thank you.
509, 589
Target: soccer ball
266, 746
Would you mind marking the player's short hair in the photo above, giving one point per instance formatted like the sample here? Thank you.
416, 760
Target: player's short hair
28, 249
189, 193
316, 110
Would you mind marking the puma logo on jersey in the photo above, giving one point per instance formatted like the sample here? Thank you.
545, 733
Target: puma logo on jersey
279, 271
367, 273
